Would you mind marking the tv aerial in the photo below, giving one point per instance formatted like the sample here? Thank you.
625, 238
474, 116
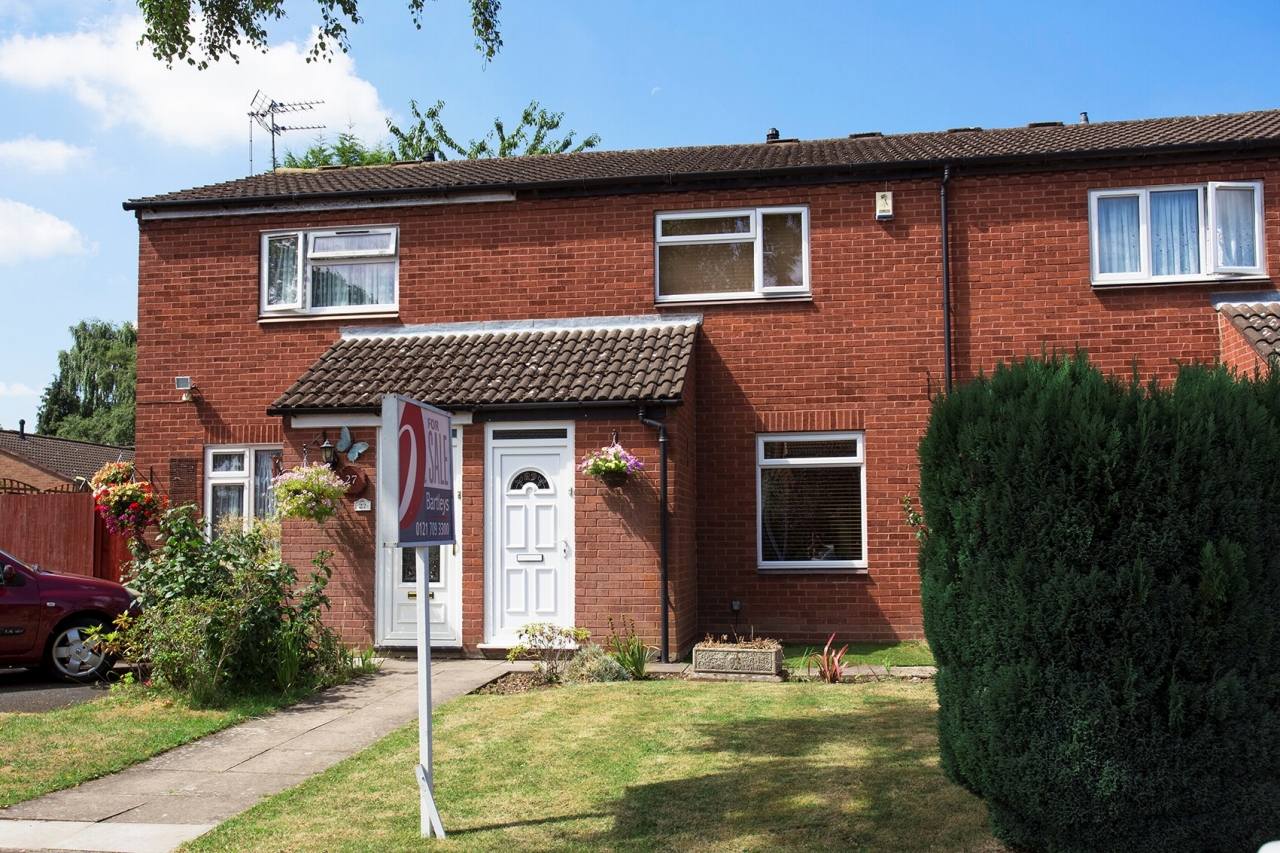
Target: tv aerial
264, 111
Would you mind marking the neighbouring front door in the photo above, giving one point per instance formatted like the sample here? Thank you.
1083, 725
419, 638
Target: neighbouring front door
398, 569
529, 558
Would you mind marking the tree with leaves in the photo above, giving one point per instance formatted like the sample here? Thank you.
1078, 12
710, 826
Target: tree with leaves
92, 397
175, 31
427, 139
347, 150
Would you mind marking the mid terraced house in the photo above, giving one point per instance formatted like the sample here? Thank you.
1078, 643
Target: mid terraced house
765, 322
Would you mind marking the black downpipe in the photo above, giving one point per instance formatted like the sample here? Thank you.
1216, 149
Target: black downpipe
665, 652
946, 284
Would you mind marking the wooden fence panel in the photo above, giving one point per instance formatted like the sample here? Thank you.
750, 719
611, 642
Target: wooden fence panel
54, 530
111, 551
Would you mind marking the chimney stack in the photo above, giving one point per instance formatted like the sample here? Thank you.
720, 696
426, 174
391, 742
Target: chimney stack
22, 429
772, 135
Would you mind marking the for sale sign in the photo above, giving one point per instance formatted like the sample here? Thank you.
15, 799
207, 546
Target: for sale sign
426, 474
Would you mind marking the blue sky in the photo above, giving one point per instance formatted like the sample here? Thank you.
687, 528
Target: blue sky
90, 120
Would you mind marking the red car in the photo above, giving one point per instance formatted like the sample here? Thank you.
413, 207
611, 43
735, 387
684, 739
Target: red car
43, 616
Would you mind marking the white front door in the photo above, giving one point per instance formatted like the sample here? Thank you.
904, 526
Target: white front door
398, 568
529, 558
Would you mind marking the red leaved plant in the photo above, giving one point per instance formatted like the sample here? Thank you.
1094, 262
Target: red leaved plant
830, 663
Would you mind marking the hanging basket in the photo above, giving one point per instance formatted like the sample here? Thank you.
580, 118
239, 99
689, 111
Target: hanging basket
614, 479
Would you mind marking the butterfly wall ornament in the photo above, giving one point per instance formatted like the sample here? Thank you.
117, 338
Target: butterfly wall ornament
353, 451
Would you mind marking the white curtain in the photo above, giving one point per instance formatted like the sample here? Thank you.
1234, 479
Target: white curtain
282, 270
353, 284
1119, 244
1175, 232
1235, 232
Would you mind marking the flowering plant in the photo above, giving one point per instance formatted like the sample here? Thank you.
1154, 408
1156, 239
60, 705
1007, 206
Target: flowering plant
126, 507
614, 459
309, 491
112, 474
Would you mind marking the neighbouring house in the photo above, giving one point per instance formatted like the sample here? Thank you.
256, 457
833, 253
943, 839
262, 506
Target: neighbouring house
771, 319
46, 463
48, 508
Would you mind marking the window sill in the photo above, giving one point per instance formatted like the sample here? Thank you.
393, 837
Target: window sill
737, 300
272, 319
1183, 281
805, 570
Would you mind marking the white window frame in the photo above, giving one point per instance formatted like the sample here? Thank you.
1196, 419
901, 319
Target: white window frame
306, 243
1210, 269
243, 478
755, 235
857, 460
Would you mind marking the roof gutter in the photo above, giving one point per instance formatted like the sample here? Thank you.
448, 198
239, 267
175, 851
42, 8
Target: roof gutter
480, 408
670, 179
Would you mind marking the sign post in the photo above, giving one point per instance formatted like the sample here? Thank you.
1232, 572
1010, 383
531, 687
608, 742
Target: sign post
423, 450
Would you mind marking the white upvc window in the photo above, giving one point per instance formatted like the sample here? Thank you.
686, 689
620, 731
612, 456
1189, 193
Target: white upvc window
811, 506
342, 271
1180, 233
238, 484
731, 254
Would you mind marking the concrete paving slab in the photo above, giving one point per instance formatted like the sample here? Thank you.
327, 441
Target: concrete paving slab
132, 837
37, 834
189, 809
297, 760
344, 739
72, 804
208, 759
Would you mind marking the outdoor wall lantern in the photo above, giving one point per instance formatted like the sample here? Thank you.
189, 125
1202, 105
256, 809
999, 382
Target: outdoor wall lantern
328, 453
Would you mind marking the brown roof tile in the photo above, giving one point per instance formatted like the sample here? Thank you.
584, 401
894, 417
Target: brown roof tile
594, 360
64, 456
760, 161
1259, 322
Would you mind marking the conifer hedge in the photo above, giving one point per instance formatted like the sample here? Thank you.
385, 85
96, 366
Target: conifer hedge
1101, 590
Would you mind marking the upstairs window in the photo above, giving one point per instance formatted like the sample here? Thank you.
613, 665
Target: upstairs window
1178, 233
329, 272
732, 254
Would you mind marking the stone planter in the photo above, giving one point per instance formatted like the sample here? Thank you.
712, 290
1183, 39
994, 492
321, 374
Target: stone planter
737, 662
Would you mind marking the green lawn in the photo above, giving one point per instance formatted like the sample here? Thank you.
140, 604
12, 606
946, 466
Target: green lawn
650, 766
908, 653
59, 749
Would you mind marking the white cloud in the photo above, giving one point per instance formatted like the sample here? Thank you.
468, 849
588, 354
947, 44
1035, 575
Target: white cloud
16, 389
40, 155
104, 69
28, 233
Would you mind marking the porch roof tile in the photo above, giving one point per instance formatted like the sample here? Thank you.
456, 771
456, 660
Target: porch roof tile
1259, 322
532, 363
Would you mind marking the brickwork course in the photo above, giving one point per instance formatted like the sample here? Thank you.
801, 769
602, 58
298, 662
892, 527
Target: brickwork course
570, 239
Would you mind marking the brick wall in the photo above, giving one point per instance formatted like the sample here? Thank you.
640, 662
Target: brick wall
864, 354
14, 467
1237, 352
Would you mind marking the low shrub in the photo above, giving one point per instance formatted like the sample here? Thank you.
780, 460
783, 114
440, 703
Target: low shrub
628, 649
549, 646
830, 662
1100, 576
593, 664
228, 616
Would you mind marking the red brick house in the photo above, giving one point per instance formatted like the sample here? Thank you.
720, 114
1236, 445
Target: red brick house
780, 313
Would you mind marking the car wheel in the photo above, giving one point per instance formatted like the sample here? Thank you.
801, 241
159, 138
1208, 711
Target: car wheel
74, 656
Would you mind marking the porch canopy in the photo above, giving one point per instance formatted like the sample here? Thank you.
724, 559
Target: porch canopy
596, 363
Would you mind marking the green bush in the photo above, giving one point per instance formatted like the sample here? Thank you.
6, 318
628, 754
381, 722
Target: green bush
591, 663
228, 616
1101, 588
